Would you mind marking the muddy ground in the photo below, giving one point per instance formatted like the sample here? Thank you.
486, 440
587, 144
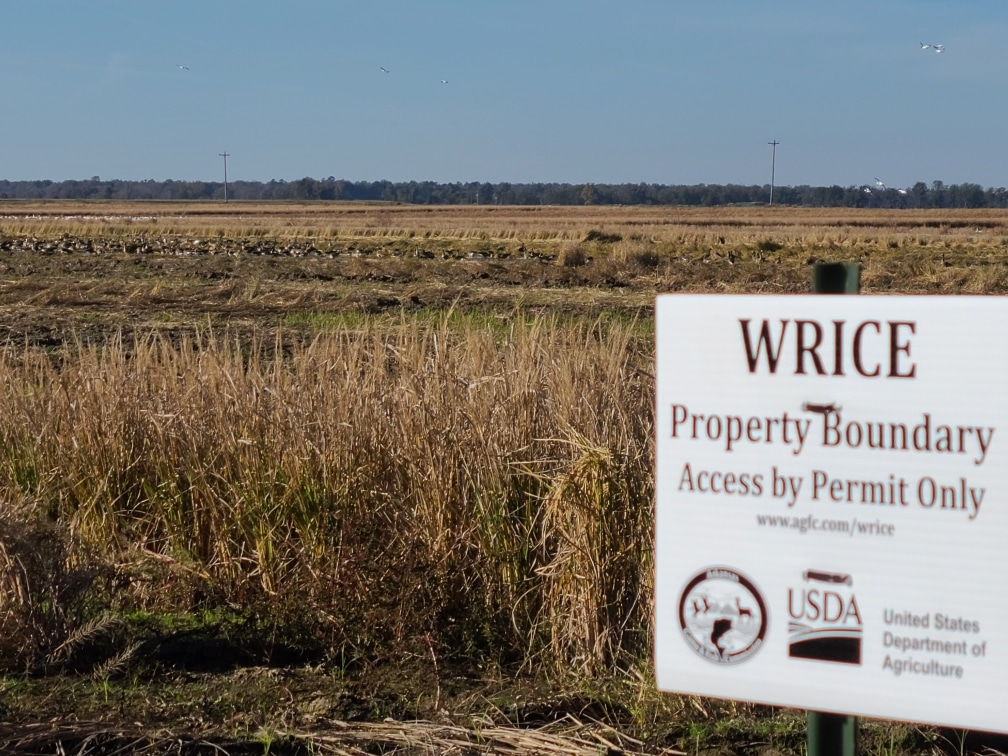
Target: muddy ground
54, 291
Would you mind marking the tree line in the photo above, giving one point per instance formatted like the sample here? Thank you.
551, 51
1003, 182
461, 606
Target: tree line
920, 195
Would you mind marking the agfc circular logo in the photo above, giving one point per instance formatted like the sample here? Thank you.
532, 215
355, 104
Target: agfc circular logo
722, 615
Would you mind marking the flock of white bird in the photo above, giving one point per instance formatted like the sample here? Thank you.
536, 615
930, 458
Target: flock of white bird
879, 183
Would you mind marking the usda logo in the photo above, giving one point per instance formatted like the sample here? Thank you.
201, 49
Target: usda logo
825, 623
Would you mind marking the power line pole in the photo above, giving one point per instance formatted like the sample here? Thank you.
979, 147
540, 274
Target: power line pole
773, 166
225, 156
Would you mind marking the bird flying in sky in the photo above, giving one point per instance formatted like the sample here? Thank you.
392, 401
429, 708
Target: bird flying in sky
383, 69
182, 68
880, 183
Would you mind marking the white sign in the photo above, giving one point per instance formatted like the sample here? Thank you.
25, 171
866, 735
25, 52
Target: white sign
832, 503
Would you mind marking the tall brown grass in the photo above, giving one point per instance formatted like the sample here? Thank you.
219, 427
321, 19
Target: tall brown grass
485, 489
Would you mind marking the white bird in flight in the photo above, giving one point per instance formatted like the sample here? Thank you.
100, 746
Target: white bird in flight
444, 81
932, 46
383, 69
925, 45
939, 48
181, 67
880, 183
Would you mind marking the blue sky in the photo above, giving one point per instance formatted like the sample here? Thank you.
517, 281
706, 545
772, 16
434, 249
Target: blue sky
654, 91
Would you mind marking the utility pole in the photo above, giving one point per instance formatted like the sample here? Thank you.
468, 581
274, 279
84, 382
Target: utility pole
225, 156
773, 166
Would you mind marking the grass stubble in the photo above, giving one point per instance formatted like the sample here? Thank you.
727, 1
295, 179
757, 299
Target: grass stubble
460, 493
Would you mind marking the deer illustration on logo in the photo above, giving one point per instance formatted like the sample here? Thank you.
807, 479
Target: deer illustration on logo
742, 611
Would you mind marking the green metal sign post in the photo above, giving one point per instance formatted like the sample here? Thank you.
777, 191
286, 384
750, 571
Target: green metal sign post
833, 734
836, 278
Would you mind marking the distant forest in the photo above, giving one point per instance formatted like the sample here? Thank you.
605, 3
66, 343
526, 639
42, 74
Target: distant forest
920, 195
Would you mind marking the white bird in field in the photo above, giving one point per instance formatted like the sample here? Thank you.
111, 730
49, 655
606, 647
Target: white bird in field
383, 69
867, 190
901, 191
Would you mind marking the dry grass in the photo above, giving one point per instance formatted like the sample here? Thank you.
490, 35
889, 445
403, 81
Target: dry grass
363, 488
565, 738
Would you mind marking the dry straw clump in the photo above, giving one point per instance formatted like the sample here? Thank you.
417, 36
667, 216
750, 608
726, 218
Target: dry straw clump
485, 488
571, 255
591, 562
637, 253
